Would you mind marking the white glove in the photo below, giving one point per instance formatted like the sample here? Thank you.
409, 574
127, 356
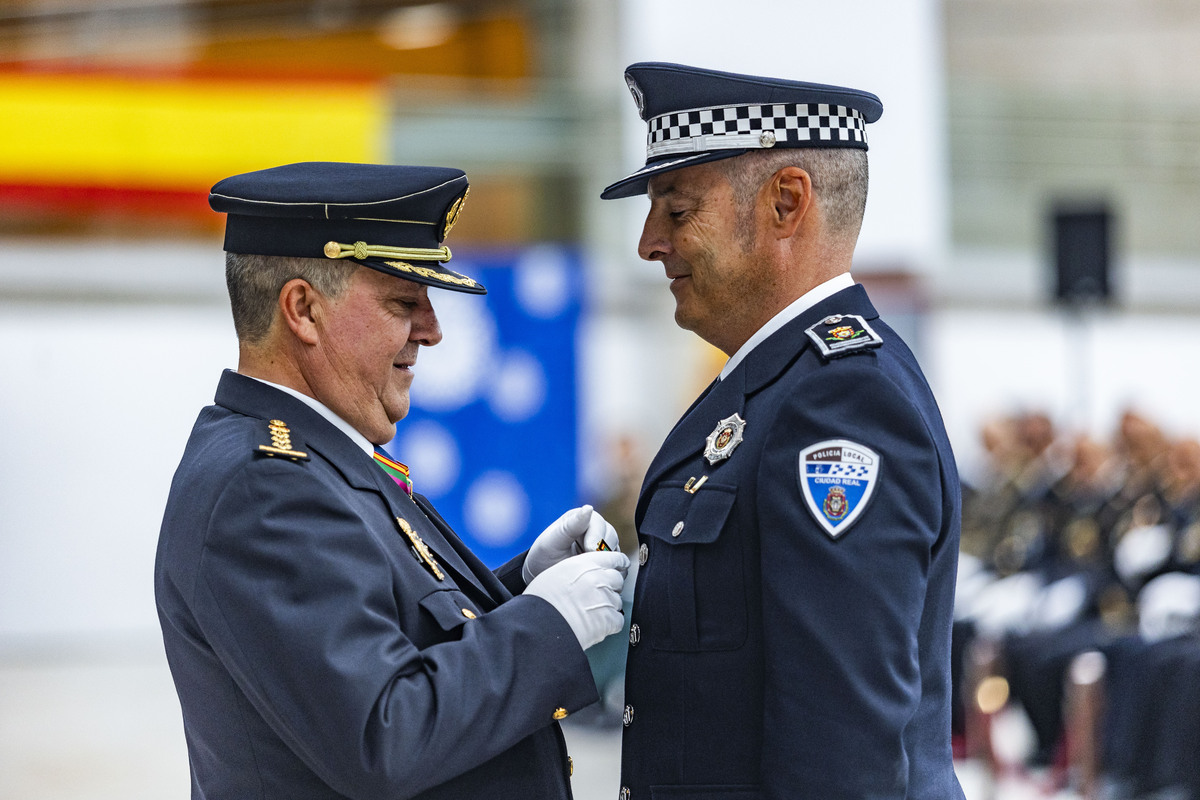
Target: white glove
580, 530
586, 590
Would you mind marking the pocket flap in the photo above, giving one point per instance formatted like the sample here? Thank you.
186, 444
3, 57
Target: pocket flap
450, 608
677, 516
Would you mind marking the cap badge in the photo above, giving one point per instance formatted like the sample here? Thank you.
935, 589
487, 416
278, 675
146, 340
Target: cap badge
837, 479
724, 439
638, 98
452, 215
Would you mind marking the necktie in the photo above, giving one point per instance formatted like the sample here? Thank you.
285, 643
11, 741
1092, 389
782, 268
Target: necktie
397, 471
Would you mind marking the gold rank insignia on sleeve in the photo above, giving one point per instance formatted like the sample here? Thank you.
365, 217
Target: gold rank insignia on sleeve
281, 442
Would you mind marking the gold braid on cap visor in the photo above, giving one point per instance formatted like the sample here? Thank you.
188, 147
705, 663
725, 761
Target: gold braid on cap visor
363, 250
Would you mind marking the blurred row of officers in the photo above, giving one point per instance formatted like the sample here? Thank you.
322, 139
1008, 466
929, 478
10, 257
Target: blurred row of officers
1079, 589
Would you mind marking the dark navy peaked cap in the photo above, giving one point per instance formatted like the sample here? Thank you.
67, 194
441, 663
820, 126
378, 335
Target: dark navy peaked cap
391, 218
696, 115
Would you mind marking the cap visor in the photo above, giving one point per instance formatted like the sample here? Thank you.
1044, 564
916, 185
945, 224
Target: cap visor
635, 184
430, 273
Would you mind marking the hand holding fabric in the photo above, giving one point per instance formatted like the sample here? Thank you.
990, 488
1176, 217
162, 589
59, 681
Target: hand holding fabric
580, 530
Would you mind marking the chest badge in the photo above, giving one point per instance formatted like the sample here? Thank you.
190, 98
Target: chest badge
721, 443
420, 549
838, 478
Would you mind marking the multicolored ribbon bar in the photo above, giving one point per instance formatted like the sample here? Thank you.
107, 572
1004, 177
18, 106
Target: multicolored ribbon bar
397, 471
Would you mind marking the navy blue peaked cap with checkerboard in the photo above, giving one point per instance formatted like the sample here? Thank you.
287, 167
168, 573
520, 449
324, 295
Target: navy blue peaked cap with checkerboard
390, 218
696, 115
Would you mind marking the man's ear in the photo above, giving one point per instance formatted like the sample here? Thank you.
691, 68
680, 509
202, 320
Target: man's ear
790, 194
301, 307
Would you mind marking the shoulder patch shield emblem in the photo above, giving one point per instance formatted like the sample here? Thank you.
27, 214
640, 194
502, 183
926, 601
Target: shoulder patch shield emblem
841, 334
837, 479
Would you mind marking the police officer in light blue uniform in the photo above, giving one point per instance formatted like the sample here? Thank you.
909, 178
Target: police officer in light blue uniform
799, 527
329, 635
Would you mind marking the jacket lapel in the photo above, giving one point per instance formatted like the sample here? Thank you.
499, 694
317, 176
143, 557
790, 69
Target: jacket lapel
690, 434
762, 366
312, 432
407, 508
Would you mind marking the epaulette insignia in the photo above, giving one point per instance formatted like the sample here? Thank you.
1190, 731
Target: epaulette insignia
281, 442
842, 334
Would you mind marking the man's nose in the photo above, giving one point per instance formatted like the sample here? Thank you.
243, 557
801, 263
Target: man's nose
425, 329
654, 245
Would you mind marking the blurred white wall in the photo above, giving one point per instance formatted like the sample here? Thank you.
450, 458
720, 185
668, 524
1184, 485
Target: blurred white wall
99, 387
892, 48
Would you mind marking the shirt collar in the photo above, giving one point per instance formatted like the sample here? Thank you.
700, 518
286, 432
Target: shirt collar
323, 410
793, 310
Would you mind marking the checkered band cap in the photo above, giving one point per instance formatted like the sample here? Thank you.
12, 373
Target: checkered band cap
754, 126
698, 115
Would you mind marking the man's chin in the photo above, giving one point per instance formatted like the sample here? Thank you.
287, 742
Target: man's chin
384, 435
683, 319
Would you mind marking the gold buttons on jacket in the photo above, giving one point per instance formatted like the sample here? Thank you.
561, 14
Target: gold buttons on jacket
468, 613
625, 793
570, 766
635, 634
627, 717
643, 554
559, 713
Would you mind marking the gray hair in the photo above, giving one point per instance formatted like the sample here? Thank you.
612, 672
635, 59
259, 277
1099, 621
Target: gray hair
254, 282
839, 179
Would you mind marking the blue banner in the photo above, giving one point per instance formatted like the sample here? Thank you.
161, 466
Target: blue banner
491, 437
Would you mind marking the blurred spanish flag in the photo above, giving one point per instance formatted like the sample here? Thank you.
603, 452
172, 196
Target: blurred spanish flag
75, 142
136, 129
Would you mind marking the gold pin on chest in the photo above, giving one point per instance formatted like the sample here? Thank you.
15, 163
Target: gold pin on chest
420, 549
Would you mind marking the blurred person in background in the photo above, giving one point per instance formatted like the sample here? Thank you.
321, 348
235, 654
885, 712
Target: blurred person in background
799, 527
1110, 566
328, 634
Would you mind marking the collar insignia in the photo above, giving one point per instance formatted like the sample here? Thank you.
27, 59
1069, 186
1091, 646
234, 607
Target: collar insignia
721, 443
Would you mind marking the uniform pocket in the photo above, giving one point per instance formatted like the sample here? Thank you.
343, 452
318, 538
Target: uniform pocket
695, 595
450, 608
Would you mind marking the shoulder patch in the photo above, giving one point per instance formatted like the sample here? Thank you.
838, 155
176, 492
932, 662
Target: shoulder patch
281, 442
842, 334
837, 479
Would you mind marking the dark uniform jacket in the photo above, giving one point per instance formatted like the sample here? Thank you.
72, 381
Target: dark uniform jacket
317, 656
769, 658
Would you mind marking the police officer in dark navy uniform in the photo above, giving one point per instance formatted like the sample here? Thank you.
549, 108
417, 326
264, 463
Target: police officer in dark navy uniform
799, 527
328, 634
